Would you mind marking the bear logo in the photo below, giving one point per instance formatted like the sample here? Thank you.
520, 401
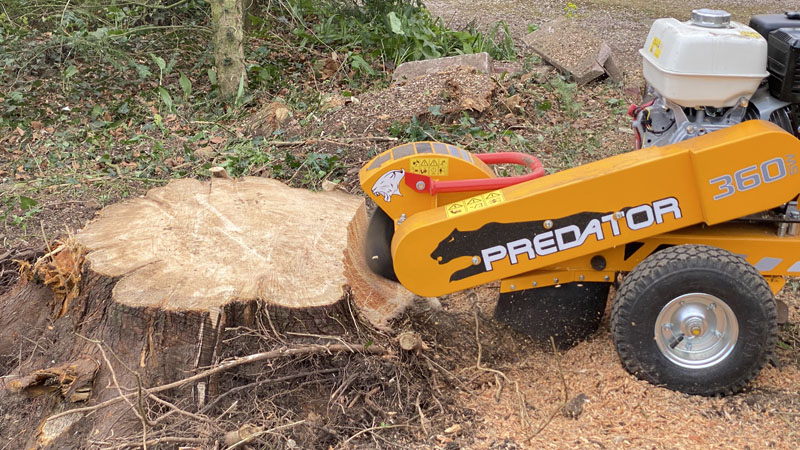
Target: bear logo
389, 184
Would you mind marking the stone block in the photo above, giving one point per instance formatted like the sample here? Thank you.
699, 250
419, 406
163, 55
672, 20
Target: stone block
413, 69
567, 45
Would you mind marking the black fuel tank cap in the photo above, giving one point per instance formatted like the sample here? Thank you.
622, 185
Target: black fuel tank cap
793, 15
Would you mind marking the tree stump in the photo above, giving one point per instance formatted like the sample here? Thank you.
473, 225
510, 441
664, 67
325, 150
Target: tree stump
141, 295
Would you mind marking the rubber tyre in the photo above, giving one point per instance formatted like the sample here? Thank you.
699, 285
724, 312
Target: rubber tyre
684, 269
378, 245
569, 313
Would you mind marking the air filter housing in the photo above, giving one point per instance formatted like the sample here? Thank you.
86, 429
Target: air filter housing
783, 64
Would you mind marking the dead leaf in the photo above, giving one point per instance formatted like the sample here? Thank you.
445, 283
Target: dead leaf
475, 104
329, 69
281, 114
36, 125
332, 101
204, 152
217, 139
453, 429
514, 102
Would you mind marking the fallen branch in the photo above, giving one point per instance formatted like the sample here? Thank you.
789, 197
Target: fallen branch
256, 357
367, 430
166, 440
346, 141
263, 432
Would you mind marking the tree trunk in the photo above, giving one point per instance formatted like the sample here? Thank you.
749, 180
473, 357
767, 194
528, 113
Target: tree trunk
228, 45
166, 276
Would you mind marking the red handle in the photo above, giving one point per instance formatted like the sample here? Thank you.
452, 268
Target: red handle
424, 183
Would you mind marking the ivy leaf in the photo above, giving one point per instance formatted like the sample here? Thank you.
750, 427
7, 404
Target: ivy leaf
70, 72
165, 97
186, 86
26, 203
395, 24
357, 62
159, 61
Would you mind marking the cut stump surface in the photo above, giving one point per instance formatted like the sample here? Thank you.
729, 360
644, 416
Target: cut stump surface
195, 245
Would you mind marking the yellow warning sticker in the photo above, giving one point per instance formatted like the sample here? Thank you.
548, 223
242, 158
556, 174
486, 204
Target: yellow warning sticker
434, 167
474, 203
493, 197
454, 209
750, 34
655, 47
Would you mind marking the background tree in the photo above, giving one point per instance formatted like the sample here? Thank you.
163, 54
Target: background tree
228, 50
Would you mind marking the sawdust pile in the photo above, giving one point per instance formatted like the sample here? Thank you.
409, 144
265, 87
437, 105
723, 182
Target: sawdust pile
621, 411
446, 93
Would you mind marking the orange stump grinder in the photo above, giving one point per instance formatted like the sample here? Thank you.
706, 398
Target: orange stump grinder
700, 225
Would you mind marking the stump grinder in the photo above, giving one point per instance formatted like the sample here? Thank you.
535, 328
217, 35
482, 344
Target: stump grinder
697, 228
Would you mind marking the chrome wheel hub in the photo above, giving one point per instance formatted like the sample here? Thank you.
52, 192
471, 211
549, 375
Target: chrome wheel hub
696, 330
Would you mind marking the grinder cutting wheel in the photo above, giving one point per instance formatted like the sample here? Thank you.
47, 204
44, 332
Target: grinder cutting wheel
705, 228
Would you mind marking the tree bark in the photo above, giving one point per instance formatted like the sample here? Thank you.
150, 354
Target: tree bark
228, 46
141, 297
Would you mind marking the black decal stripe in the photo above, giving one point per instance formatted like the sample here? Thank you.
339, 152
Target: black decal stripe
470, 243
631, 248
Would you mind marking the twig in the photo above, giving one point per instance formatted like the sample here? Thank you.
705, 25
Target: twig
178, 3
182, 412
560, 371
421, 416
271, 380
312, 141
449, 375
367, 430
522, 416
545, 424
162, 27
168, 440
480, 350
140, 414
566, 395
256, 357
263, 432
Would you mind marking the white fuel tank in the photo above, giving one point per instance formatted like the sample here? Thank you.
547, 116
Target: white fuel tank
707, 61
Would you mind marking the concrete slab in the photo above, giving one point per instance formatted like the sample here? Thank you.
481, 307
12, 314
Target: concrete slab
482, 62
567, 45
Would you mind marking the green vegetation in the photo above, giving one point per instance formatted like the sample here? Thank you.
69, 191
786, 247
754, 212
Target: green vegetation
391, 32
102, 100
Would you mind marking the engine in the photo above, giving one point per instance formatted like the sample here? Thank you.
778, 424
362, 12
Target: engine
710, 73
